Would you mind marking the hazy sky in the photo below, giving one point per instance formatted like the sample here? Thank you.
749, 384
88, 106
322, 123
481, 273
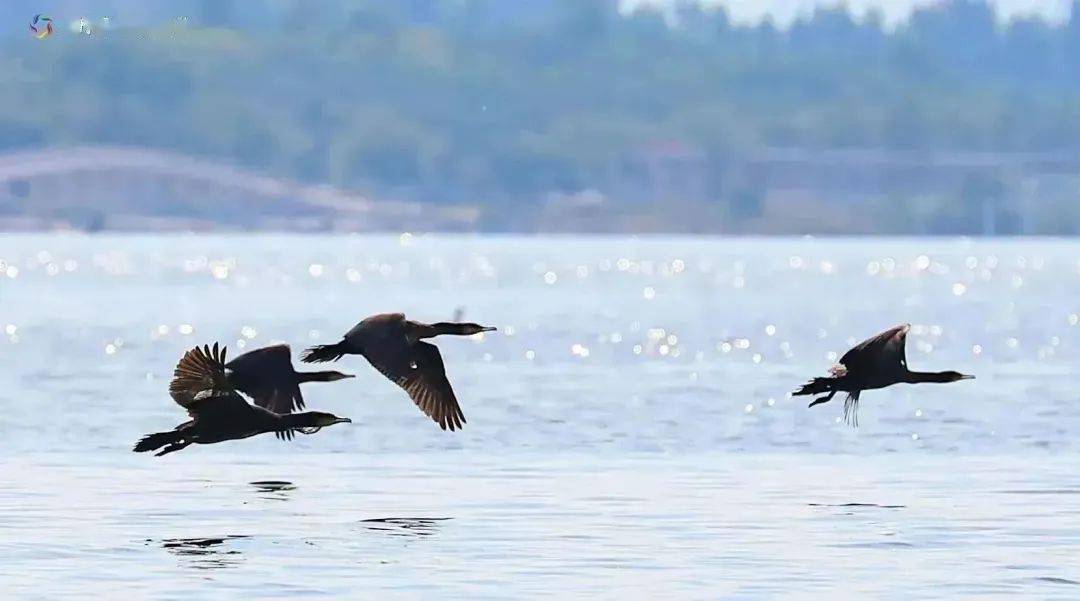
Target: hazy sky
784, 11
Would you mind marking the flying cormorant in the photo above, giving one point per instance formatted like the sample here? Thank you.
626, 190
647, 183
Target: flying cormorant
218, 413
267, 376
874, 363
392, 344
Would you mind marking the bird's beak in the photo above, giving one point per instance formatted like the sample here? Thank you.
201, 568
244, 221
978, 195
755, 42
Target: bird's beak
343, 420
966, 377
489, 329
349, 375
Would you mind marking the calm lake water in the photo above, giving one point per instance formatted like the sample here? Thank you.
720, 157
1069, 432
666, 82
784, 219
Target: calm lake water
629, 432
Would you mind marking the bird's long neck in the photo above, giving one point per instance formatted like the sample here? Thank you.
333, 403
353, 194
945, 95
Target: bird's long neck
919, 377
315, 376
430, 330
297, 420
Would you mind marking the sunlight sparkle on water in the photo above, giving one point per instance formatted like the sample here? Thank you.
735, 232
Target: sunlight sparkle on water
220, 271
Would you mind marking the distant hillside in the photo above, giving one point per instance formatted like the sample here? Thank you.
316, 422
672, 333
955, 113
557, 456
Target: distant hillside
520, 112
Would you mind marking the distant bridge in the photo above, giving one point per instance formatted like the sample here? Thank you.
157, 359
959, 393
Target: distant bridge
124, 188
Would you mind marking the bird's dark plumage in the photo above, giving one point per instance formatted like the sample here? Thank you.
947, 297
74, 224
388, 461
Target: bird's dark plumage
419, 369
392, 344
218, 412
881, 358
877, 362
267, 376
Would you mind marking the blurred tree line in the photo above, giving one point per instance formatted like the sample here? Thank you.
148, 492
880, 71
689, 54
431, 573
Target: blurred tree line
496, 101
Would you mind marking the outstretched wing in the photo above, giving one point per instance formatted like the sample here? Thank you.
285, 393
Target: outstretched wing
419, 369
268, 377
883, 353
199, 379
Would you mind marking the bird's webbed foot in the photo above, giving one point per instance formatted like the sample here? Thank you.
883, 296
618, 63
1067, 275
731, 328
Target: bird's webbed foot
823, 399
171, 448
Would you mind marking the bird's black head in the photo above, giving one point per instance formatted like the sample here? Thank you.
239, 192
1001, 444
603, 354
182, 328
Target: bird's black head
323, 420
311, 422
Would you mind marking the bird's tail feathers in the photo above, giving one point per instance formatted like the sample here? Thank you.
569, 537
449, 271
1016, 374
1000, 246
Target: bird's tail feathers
324, 353
816, 386
153, 442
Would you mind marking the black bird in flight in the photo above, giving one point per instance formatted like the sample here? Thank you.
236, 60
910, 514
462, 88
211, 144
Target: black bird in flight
874, 363
218, 412
267, 376
393, 345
